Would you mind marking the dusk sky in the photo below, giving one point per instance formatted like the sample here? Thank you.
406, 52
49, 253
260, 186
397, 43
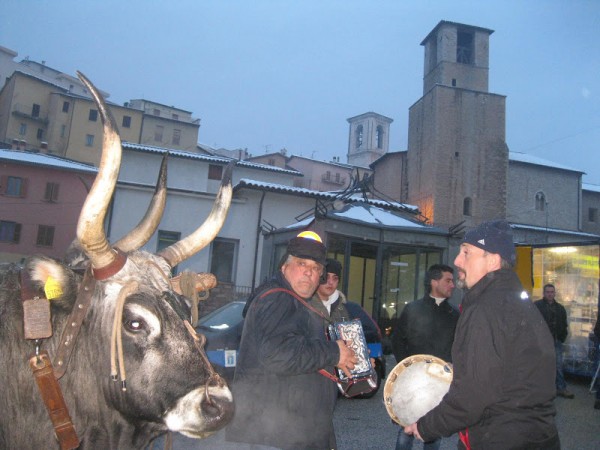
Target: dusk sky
266, 75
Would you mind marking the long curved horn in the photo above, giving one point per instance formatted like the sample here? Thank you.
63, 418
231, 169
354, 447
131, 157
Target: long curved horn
90, 231
182, 250
147, 226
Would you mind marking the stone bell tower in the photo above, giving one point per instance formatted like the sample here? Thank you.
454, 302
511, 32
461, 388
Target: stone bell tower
369, 138
457, 155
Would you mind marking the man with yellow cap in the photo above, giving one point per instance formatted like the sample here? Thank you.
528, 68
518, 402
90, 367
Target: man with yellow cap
282, 401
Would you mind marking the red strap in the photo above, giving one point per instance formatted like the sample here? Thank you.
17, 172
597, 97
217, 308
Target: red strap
301, 300
329, 375
297, 297
464, 438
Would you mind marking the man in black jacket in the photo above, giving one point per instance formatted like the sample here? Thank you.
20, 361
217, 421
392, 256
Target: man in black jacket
280, 398
501, 395
555, 316
596, 377
426, 326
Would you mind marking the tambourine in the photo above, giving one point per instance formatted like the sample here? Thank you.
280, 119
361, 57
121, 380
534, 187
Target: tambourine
415, 386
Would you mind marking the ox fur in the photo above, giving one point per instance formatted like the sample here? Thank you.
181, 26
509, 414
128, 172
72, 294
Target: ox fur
165, 372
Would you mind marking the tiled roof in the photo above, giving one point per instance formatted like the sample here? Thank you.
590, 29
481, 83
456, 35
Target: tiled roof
43, 159
590, 187
273, 187
207, 158
529, 159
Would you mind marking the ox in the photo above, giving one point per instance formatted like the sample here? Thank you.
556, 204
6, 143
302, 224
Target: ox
136, 369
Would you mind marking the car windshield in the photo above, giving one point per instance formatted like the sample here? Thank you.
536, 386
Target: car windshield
225, 317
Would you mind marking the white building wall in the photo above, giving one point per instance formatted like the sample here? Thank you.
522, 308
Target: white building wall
189, 203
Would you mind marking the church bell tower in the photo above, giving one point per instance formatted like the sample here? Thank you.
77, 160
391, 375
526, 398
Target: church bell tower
457, 155
369, 138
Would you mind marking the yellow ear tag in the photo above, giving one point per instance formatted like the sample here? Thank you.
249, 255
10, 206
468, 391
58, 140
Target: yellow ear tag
52, 289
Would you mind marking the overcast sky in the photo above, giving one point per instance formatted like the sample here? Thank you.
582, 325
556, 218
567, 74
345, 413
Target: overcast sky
266, 75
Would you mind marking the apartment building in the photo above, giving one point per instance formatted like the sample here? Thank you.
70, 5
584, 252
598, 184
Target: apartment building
43, 109
40, 200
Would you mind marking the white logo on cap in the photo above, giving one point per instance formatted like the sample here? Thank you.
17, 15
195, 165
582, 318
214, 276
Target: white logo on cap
481, 241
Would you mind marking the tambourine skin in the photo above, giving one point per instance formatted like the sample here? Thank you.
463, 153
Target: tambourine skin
415, 386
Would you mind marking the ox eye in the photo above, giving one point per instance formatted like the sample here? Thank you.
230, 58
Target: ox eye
134, 325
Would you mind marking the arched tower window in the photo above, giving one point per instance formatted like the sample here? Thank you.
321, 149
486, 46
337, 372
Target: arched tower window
540, 201
379, 136
359, 136
467, 206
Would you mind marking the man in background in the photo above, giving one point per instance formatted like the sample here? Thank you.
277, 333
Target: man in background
332, 302
426, 326
555, 316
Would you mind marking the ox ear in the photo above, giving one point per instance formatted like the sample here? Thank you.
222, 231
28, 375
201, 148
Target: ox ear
52, 280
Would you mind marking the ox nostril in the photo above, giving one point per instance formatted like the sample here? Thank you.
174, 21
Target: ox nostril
211, 408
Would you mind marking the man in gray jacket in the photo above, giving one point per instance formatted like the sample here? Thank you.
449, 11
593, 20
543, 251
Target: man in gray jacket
501, 395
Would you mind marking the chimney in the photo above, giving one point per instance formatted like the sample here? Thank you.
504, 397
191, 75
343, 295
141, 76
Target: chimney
43, 147
22, 145
15, 144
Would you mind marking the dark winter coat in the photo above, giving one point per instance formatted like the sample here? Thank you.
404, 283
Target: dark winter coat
555, 316
503, 384
280, 398
425, 328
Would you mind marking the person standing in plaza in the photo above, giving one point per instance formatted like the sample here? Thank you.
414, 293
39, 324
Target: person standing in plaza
426, 326
281, 400
597, 374
502, 390
332, 303
327, 299
555, 316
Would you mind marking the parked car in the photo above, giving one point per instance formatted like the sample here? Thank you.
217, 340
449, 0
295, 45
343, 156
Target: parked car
223, 331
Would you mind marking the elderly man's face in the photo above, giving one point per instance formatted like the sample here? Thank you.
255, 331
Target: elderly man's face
325, 290
303, 275
473, 264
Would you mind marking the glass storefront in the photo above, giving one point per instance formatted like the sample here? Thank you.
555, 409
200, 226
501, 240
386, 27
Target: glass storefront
402, 271
573, 269
403, 275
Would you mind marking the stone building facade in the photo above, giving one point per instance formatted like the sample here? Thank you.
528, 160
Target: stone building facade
457, 155
590, 206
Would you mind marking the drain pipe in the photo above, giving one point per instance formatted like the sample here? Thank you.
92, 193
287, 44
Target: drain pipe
258, 230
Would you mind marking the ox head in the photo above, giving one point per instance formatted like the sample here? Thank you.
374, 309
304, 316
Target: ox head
137, 311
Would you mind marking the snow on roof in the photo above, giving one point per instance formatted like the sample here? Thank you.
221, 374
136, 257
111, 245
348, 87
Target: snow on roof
44, 80
202, 157
553, 230
244, 182
371, 215
374, 215
43, 159
529, 159
590, 187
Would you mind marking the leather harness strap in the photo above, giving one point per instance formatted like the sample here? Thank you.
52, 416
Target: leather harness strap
54, 401
105, 272
45, 376
73, 324
323, 372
